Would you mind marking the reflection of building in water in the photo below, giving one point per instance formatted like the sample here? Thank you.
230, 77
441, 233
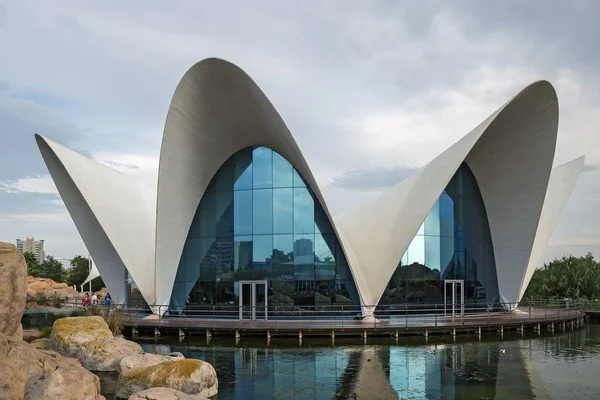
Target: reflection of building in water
461, 371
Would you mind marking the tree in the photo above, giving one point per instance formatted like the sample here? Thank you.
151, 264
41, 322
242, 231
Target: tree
53, 269
33, 267
570, 277
79, 271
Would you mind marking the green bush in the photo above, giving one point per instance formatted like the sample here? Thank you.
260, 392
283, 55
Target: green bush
41, 299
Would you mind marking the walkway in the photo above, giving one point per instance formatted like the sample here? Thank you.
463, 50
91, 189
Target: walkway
535, 318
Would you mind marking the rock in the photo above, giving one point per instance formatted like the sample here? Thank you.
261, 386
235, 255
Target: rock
193, 377
42, 344
31, 374
49, 288
161, 393
90, 341
19, 333
13, 288
176, 354
146, 360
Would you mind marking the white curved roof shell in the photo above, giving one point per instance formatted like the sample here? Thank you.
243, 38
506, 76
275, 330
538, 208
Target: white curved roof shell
218, 110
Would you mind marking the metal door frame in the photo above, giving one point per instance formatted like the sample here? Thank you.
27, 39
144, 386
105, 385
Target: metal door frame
454, 283
253, 291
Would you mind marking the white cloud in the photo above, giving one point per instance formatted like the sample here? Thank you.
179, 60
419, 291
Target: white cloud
42, 184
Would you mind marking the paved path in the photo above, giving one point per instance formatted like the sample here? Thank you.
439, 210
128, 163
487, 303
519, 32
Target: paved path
402, 323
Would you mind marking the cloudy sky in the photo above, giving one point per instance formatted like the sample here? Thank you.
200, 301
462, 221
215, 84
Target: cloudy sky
371, 90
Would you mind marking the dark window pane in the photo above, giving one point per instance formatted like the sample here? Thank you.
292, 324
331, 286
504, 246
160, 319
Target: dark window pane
242, 254
242, 212
224, 213
262, 217
226, 293
446, 215
242, 170
304, 211
321, 221
206, 217
325, 292
208, 265
223, 180
262, 166
283, 210
282, 172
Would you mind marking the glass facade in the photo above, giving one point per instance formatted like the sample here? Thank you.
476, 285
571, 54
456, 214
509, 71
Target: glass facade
454, 243
259, 221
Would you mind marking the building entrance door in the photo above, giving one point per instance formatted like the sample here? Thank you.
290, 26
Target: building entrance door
253, 300
454, 297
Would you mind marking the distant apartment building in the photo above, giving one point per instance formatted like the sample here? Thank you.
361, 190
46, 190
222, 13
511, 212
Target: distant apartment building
36, 247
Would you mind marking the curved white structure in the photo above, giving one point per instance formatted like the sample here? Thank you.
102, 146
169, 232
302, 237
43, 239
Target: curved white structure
217, 110
94, 273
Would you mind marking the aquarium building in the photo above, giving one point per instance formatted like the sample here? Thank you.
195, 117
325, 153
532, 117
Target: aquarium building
237, 221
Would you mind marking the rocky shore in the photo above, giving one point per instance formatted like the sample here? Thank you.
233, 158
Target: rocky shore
62, 366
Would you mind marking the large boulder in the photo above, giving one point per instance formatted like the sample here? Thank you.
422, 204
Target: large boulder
146, 360
13, 289
90, 341
161, 393
193, 377
31, 374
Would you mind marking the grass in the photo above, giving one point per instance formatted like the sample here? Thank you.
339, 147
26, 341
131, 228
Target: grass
114, 317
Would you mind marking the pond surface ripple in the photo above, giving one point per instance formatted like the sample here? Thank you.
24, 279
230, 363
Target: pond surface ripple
560, 365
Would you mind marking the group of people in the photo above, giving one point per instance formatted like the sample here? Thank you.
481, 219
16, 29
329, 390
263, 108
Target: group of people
94, 300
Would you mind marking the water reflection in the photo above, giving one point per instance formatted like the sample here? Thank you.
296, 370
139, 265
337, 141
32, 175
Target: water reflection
559, 366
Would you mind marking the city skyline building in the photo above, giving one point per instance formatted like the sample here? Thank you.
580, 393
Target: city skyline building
237, 217
30, 245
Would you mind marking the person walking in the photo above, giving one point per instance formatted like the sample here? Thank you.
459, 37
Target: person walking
107, 300
86, 300
94, 300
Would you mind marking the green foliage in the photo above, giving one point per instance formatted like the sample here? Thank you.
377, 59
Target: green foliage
41, 299
568, 277
33, 267
51, 268
80, 270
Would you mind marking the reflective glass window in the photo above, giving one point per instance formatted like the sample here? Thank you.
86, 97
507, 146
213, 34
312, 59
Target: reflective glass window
298, 181
304, 211
223, 210
304, 257
242, 170
283, 210
432, 222
242, 253
262, 217
283, 176
242, 212
262, 168
262, 251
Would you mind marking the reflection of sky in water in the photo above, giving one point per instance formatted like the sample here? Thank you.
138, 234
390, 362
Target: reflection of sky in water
559, 366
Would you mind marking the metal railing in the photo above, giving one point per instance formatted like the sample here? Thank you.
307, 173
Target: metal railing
348, 316
407, 315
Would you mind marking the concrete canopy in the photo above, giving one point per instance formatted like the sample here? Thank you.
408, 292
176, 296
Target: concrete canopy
217, 110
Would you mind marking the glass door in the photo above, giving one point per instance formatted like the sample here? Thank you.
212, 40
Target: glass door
454, 297
253, 300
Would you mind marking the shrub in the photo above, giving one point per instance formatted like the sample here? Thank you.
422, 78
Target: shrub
115, 318
41, 299
55, 301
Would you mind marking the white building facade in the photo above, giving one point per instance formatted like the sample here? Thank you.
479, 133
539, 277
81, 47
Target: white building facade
237, 218
30, 245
